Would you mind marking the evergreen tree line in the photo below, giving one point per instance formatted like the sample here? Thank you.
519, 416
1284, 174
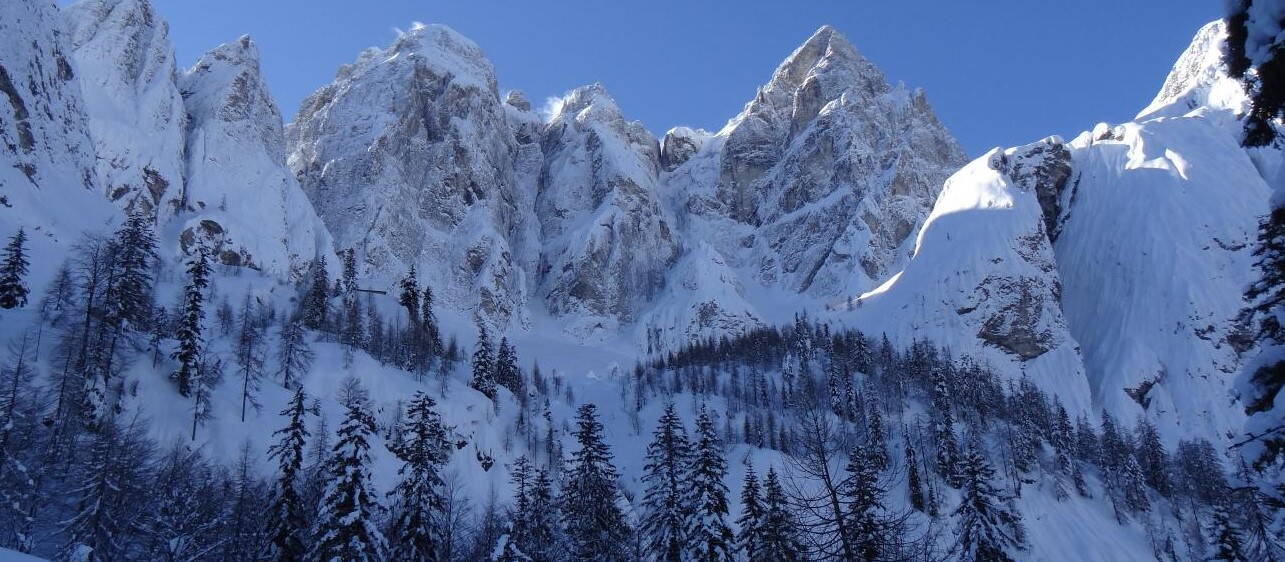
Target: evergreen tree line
933, 427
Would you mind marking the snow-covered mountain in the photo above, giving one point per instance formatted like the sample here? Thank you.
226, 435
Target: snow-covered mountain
812, 192
239, 198
408, 158
1106, 270
49, 183
1120, 256
132, 103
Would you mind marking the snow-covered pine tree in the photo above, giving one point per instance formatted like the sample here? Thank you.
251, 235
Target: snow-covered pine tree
780, 535
542, 532
665, 506
708, 536
595, 525
346, 528
1134, 486
876, 438
507, 373
1224, 537
1265, 83
944, 430
249, 356
521, 474
287, 523
914, 483
189, 337
1152, 457
13, 272
209, 373
749, 535
294, 355
1259, 542
483, 363
129, 297
432, 333
987, 528
244, 516
409, 296
348, 283
875, 533
1064, 464
418, 500
114, 475
315, 309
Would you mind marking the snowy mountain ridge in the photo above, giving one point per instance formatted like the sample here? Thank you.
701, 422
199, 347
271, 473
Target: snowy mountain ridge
1103, 274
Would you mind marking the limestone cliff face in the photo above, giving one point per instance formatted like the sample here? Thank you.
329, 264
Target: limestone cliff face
408, 157
240, 199
135, 111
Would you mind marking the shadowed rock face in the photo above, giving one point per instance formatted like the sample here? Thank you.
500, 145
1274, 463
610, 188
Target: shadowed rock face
1043, 168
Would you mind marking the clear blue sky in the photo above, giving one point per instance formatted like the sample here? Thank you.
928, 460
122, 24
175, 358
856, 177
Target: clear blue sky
998, 72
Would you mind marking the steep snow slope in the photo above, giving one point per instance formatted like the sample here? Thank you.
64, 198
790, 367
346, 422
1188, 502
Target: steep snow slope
136, 116
1138, 270
48, 185
240, 199
984, 279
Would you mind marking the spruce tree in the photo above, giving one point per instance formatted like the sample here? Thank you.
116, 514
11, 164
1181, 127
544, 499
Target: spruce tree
708, 536
665, 502
287, 522
316, 299
944, 431
749, 536
129, 295
189, 337
507, 373
409, 296
780, 536
914, 482
294, 355
249, 356
1152, 457
593, 521
542, 532
483, 364
419, 502
874, 534
346, 526
432, 333
13, 272
1224, 536
987, 529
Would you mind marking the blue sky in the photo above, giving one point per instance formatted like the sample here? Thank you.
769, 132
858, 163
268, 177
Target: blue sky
998, 72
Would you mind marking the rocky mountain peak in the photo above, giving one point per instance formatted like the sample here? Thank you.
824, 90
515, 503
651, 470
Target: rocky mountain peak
445, 52
818, 71
1199, 78
517, 100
